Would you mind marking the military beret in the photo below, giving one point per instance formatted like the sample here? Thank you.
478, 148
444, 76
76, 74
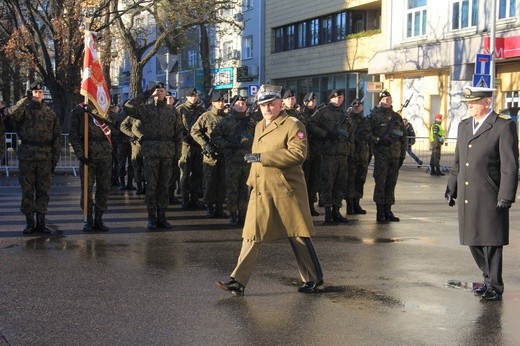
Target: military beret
288, 93
37, 86
476, 93
384, 93
191, 91
336, 93
237, 98
309, 96
159, 85
217, 96
267, 93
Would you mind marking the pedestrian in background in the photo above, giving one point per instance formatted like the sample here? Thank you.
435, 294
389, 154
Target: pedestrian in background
384, 128
39, 130
410, 135
99, 162
161, 127
484, 178
436, 140
132, 128
278, 204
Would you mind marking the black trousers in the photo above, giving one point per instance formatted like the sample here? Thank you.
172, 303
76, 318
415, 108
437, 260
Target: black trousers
489, 260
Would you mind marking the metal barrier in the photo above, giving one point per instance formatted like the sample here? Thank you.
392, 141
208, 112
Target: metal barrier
67, 158
422, 149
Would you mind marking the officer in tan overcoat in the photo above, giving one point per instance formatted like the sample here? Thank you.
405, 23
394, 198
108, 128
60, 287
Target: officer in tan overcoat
278, 205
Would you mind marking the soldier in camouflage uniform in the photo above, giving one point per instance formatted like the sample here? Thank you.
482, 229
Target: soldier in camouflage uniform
190, 161
233, 135
357, 162
124, 152
38, 154
333, 125
161, 127
289, 105
385, 129
132, 128
98, 160
213, 163
312, 164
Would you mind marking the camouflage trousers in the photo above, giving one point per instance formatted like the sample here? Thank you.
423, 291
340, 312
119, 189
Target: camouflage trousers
312, 171
35, 179
334, 170
99, 173
214, 182
157, 173
190, 165
124, 161
386, 171
137, 163
237, 190
357, 176
435, 159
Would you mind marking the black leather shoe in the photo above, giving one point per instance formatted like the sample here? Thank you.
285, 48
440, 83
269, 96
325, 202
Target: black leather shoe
492, 295
479, 291
310, 287
232, 286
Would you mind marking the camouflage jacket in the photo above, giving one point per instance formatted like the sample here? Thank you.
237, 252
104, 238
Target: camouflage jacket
233, 135
361, 146
99, 147
375, 128
161, 127
189, 113
38, 128
332, 119
201, 130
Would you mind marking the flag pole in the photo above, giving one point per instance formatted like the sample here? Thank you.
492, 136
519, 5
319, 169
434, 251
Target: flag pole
86, 197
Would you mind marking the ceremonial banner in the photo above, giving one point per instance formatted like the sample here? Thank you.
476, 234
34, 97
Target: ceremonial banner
93, 85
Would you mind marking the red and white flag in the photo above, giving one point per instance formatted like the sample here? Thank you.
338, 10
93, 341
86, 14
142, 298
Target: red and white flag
93, 83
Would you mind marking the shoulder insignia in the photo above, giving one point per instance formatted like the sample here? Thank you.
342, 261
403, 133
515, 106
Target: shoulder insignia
300, 134
503, 116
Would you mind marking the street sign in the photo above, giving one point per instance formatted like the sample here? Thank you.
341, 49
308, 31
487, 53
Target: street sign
483, 64
252, 89
373, 87
482, 80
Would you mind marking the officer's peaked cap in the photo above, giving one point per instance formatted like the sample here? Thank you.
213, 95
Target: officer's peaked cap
268, 93
476, 93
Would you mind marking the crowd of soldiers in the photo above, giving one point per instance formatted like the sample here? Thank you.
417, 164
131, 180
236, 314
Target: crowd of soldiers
167, 149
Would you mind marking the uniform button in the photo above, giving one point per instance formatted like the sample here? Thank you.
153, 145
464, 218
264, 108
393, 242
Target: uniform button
259, 193
466, 201
258, 175
467, 164
469, 146
466, 183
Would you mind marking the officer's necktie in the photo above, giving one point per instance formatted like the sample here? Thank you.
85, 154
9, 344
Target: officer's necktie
475, 125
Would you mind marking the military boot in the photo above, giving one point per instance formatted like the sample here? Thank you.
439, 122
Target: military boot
328, 215
380, 216
233, 218
219, 211
432, 170
152, 219
185, 202
314, 212
29, 223
336, 215
389, 215
438, 170
129, 185
357, 207
99, 226
140, 190
161, 219
350, 207
88, 222
122, 185
41, 227
210, 211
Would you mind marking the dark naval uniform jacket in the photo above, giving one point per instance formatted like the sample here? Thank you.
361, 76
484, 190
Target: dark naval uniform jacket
485, 170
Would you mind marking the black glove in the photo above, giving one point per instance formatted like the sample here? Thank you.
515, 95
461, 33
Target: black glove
401, 160
149, 92
209, 150
332, 135
449, 199
83, 160
29, 94
503, 204
3, 112
252, 158
385, 142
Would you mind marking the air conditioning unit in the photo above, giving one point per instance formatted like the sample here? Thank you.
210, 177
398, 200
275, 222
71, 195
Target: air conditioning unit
253, 70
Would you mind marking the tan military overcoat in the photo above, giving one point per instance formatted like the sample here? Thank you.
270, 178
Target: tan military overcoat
278, 205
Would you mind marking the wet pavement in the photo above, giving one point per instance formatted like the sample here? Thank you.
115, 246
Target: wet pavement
384, 283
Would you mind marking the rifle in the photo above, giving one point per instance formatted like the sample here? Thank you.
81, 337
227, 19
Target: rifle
354, 103
405, 104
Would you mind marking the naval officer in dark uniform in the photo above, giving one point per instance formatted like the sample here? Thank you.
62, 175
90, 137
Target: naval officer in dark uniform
484, 178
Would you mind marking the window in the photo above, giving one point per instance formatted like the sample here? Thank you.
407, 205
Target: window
326, 30
227, 51
247, 47
340, 30
416, 18
192, 58
314, 32
464, 14
301, 35
506, 8
290, 38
